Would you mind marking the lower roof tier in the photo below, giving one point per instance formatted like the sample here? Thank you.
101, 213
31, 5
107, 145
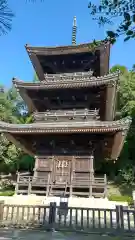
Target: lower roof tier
106, 138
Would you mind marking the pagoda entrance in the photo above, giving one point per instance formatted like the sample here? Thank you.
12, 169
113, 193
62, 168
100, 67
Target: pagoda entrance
62, 170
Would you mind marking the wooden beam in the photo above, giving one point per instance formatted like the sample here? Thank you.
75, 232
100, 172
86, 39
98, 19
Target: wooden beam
110, 101
118, 144
37, 66
12, 139
28, 100
104, 59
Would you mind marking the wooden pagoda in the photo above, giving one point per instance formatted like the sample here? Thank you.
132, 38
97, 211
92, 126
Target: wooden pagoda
73, 107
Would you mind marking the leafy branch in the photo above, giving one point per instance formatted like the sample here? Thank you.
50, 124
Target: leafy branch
109, 11
6, 16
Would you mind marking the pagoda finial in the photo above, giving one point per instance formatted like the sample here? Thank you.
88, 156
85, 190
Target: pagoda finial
74, 31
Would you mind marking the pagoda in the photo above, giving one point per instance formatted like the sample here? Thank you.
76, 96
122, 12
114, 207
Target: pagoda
73, 106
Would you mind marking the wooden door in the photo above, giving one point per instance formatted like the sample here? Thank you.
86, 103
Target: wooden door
62, 170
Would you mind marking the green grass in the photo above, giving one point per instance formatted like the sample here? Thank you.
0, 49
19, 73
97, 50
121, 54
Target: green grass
123, 198
7, 193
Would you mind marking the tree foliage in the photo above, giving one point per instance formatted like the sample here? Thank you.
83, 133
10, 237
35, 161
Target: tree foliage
126, 107
120, 12
12, 110
6, 16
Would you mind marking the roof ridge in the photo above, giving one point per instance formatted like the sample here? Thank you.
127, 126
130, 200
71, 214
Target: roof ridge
81, 45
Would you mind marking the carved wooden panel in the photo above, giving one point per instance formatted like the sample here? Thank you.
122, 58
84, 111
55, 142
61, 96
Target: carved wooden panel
44, 163
62, 169
82, 164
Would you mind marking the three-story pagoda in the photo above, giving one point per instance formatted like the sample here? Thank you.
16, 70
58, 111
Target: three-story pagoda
73, 107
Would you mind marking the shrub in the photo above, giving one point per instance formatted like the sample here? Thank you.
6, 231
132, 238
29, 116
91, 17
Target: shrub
6, 184
124, 198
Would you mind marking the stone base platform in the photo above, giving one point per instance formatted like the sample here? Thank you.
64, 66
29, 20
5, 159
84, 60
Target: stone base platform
72, 201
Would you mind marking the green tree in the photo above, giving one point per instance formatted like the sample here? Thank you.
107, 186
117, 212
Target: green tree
126, 106
35, 78
120, 12
120, 68
13, 110
7, 109
8, 151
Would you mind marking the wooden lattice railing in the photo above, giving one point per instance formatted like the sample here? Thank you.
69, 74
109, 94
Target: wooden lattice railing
94, 186
66, 115
97, 220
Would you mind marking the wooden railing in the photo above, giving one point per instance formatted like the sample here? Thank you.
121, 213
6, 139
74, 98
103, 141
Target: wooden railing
77, 76
95, 186
118, 220
66, 115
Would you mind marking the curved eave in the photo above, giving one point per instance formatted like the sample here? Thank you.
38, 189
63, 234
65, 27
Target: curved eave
60, 50
67, 127
92, 82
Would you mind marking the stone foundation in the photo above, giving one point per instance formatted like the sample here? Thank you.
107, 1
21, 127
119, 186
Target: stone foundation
72, 201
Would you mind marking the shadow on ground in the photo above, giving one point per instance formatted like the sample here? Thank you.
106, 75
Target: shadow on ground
7, 234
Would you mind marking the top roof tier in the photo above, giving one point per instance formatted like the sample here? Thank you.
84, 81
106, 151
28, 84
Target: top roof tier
68, 59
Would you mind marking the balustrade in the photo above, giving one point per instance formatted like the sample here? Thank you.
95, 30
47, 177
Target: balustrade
67, 115
87, 181
77, 76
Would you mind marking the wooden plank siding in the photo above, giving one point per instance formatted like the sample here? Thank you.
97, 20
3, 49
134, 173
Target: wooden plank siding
68, 175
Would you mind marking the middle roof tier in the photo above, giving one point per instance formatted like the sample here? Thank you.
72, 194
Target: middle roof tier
68, 92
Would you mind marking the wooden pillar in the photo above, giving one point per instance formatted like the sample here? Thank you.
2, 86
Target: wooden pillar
17, 183
104, 59
52, 215
16, 188
72, 175
36, 166
110, 101
29, 186
91, 176
92, 164
120, 218
1, 210
105, 186
48, 185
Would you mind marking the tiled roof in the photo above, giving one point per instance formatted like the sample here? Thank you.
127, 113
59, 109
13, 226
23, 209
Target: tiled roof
63, 49
65, 127
71, 81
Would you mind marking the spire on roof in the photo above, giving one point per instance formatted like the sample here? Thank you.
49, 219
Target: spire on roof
74, 31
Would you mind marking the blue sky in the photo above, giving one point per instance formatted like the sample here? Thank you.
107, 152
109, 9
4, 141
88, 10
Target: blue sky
50, 24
